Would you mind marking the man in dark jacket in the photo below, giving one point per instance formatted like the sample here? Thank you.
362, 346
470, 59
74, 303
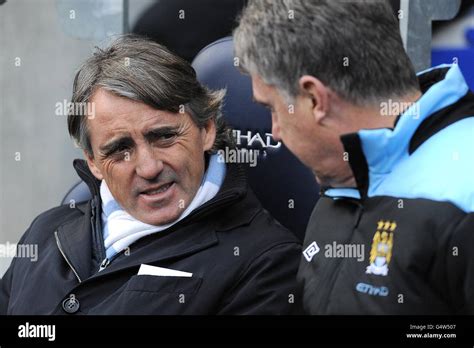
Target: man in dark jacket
171, 228
393, 230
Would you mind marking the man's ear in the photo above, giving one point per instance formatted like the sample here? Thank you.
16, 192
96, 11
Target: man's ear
208, 133
319, 94
93, 168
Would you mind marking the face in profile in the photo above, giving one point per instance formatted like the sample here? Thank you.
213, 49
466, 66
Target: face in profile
152, 160
317, 147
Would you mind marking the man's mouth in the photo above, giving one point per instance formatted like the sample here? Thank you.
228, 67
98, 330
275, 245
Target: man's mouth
153, 191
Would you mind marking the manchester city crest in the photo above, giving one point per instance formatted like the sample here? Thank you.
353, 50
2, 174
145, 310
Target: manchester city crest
381, 250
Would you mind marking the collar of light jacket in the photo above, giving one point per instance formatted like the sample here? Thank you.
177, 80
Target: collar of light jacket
82, 243
374, 152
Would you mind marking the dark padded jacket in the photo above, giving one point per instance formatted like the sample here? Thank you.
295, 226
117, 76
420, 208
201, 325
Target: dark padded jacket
242, 262
412, 214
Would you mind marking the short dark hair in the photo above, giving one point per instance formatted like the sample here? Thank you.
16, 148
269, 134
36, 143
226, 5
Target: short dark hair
143, 70
282, 40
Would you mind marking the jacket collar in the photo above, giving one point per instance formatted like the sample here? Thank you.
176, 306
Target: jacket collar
78, 239
83, 171
373, 153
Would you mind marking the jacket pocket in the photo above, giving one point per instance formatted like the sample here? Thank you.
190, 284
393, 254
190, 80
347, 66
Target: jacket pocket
152, 295
163, 284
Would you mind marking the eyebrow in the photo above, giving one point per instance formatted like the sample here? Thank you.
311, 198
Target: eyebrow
158, 132
115, 144
126, 140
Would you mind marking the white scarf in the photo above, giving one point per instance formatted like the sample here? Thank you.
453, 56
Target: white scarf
120, 229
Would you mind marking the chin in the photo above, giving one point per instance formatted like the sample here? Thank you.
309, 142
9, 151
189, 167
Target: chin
318, 180
156, 216
326, 181
162, 218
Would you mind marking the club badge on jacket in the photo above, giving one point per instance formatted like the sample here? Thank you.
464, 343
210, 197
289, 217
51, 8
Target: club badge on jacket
381, 250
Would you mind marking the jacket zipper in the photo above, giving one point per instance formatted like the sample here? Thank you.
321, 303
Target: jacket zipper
64, 256
97, 228
335, 270
104, 264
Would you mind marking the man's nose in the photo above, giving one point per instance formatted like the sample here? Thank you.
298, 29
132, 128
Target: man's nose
148, 166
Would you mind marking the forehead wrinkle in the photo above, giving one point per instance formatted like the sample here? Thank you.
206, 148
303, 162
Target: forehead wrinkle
129, 126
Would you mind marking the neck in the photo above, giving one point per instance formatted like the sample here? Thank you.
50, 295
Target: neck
378, 116
385, 114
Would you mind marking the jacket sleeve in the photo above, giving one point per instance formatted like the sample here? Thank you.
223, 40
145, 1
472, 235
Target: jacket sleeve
269, 285
5, 286
6, 280
460, 266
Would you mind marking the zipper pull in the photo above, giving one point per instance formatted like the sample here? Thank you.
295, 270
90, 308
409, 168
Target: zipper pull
104, 264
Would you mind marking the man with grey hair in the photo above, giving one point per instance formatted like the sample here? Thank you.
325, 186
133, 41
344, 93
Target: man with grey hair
169, 229
392, 151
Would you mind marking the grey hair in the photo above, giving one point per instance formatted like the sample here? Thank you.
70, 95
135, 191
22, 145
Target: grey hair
142, 70
282, 40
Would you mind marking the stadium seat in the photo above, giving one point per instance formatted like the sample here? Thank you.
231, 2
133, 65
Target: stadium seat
79, 192
286, 188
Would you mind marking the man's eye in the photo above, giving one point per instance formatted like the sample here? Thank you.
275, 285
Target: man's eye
121, 149
168, 136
